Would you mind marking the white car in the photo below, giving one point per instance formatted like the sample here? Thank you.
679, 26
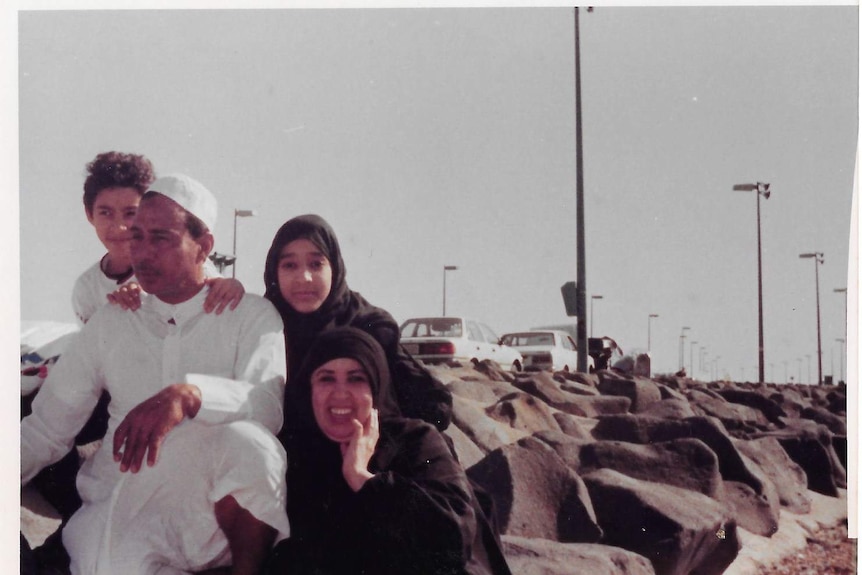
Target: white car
436, 340
546, 349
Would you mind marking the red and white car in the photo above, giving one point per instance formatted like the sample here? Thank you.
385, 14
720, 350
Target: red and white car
440, 340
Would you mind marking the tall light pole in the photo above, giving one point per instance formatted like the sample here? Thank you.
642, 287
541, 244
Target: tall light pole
592, 300
238, 214
761, 189
691, 357
818, 259
648, 331
842, 341
579, 190
808, 358
799, 370
446, 269
682, 347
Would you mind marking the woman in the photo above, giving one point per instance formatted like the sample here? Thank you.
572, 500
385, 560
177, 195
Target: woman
305, 279
368, 491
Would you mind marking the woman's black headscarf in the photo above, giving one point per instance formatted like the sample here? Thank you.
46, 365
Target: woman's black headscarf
342, 342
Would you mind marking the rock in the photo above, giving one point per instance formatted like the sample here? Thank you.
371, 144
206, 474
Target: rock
734, 416
670, 408
751, 511
466, 450
492, 370
542, 385
641, 391
686, 463
579, 388
536, 494
474, 390
470, 417
786, 475
577, 427
544, 557
835, 423
678, 530
644, 429
523, 412
769, 408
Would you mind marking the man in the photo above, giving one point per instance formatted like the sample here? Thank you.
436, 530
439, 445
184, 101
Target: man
190, 476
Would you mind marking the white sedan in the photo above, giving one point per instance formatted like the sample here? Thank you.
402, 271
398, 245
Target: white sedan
546, 349
435, 340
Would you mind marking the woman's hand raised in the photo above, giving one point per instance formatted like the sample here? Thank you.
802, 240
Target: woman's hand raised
357, 452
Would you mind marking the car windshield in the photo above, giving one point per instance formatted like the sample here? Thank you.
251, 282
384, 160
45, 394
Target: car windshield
525, 339
432, 327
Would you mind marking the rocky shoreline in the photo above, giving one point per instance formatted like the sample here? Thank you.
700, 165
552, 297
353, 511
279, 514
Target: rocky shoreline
620, 474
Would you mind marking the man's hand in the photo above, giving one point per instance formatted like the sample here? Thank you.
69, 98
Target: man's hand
126, 296
357, 452
223, 291
146, 426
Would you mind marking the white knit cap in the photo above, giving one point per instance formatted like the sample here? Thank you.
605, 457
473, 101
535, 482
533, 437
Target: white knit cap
191, 195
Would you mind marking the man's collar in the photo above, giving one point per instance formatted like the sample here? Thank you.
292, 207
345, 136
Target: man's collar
180, 312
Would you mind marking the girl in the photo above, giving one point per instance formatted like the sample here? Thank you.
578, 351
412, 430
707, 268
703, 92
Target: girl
305, 280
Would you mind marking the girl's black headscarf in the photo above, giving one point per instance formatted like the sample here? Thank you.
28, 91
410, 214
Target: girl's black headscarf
342, 306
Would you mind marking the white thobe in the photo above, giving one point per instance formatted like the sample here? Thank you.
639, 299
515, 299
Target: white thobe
161, 519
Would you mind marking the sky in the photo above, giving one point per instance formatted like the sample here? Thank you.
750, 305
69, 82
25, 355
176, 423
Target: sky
430, 137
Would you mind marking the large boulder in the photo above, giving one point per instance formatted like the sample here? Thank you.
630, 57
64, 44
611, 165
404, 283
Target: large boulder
786, 475
641, 391
680, 531
470, 417
544, 557
835, 423
769, 408
523, 412
670, 408
644, 429
734, 416
810, 445
686, 463
536, 494
542, 385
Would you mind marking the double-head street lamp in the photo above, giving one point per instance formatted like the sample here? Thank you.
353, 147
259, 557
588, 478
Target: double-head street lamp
592, 299
648, 331
238, 214
446, 269
761, 189
818, 259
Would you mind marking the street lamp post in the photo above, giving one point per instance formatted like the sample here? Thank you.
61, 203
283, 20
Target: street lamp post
238, 214
761, 189
808, 362
842, 341
593, 299
818, 259
581, 327
446, 269
682, 347
649, 331
691, 357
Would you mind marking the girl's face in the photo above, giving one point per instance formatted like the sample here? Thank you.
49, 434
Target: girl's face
340, 395
304, 275
113, 213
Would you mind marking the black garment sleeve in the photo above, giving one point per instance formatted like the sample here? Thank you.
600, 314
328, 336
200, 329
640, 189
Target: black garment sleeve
419, 394
416, 515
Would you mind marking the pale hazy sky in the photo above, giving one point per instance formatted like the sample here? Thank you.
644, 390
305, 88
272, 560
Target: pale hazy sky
432, 137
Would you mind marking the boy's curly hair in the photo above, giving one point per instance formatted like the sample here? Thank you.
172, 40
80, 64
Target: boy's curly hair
116, 170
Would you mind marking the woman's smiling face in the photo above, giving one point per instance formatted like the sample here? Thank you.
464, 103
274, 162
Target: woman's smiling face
304, 275
340, 395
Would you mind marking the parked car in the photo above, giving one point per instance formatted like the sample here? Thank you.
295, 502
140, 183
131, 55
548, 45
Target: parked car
546, 349
436, 340
604, 351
